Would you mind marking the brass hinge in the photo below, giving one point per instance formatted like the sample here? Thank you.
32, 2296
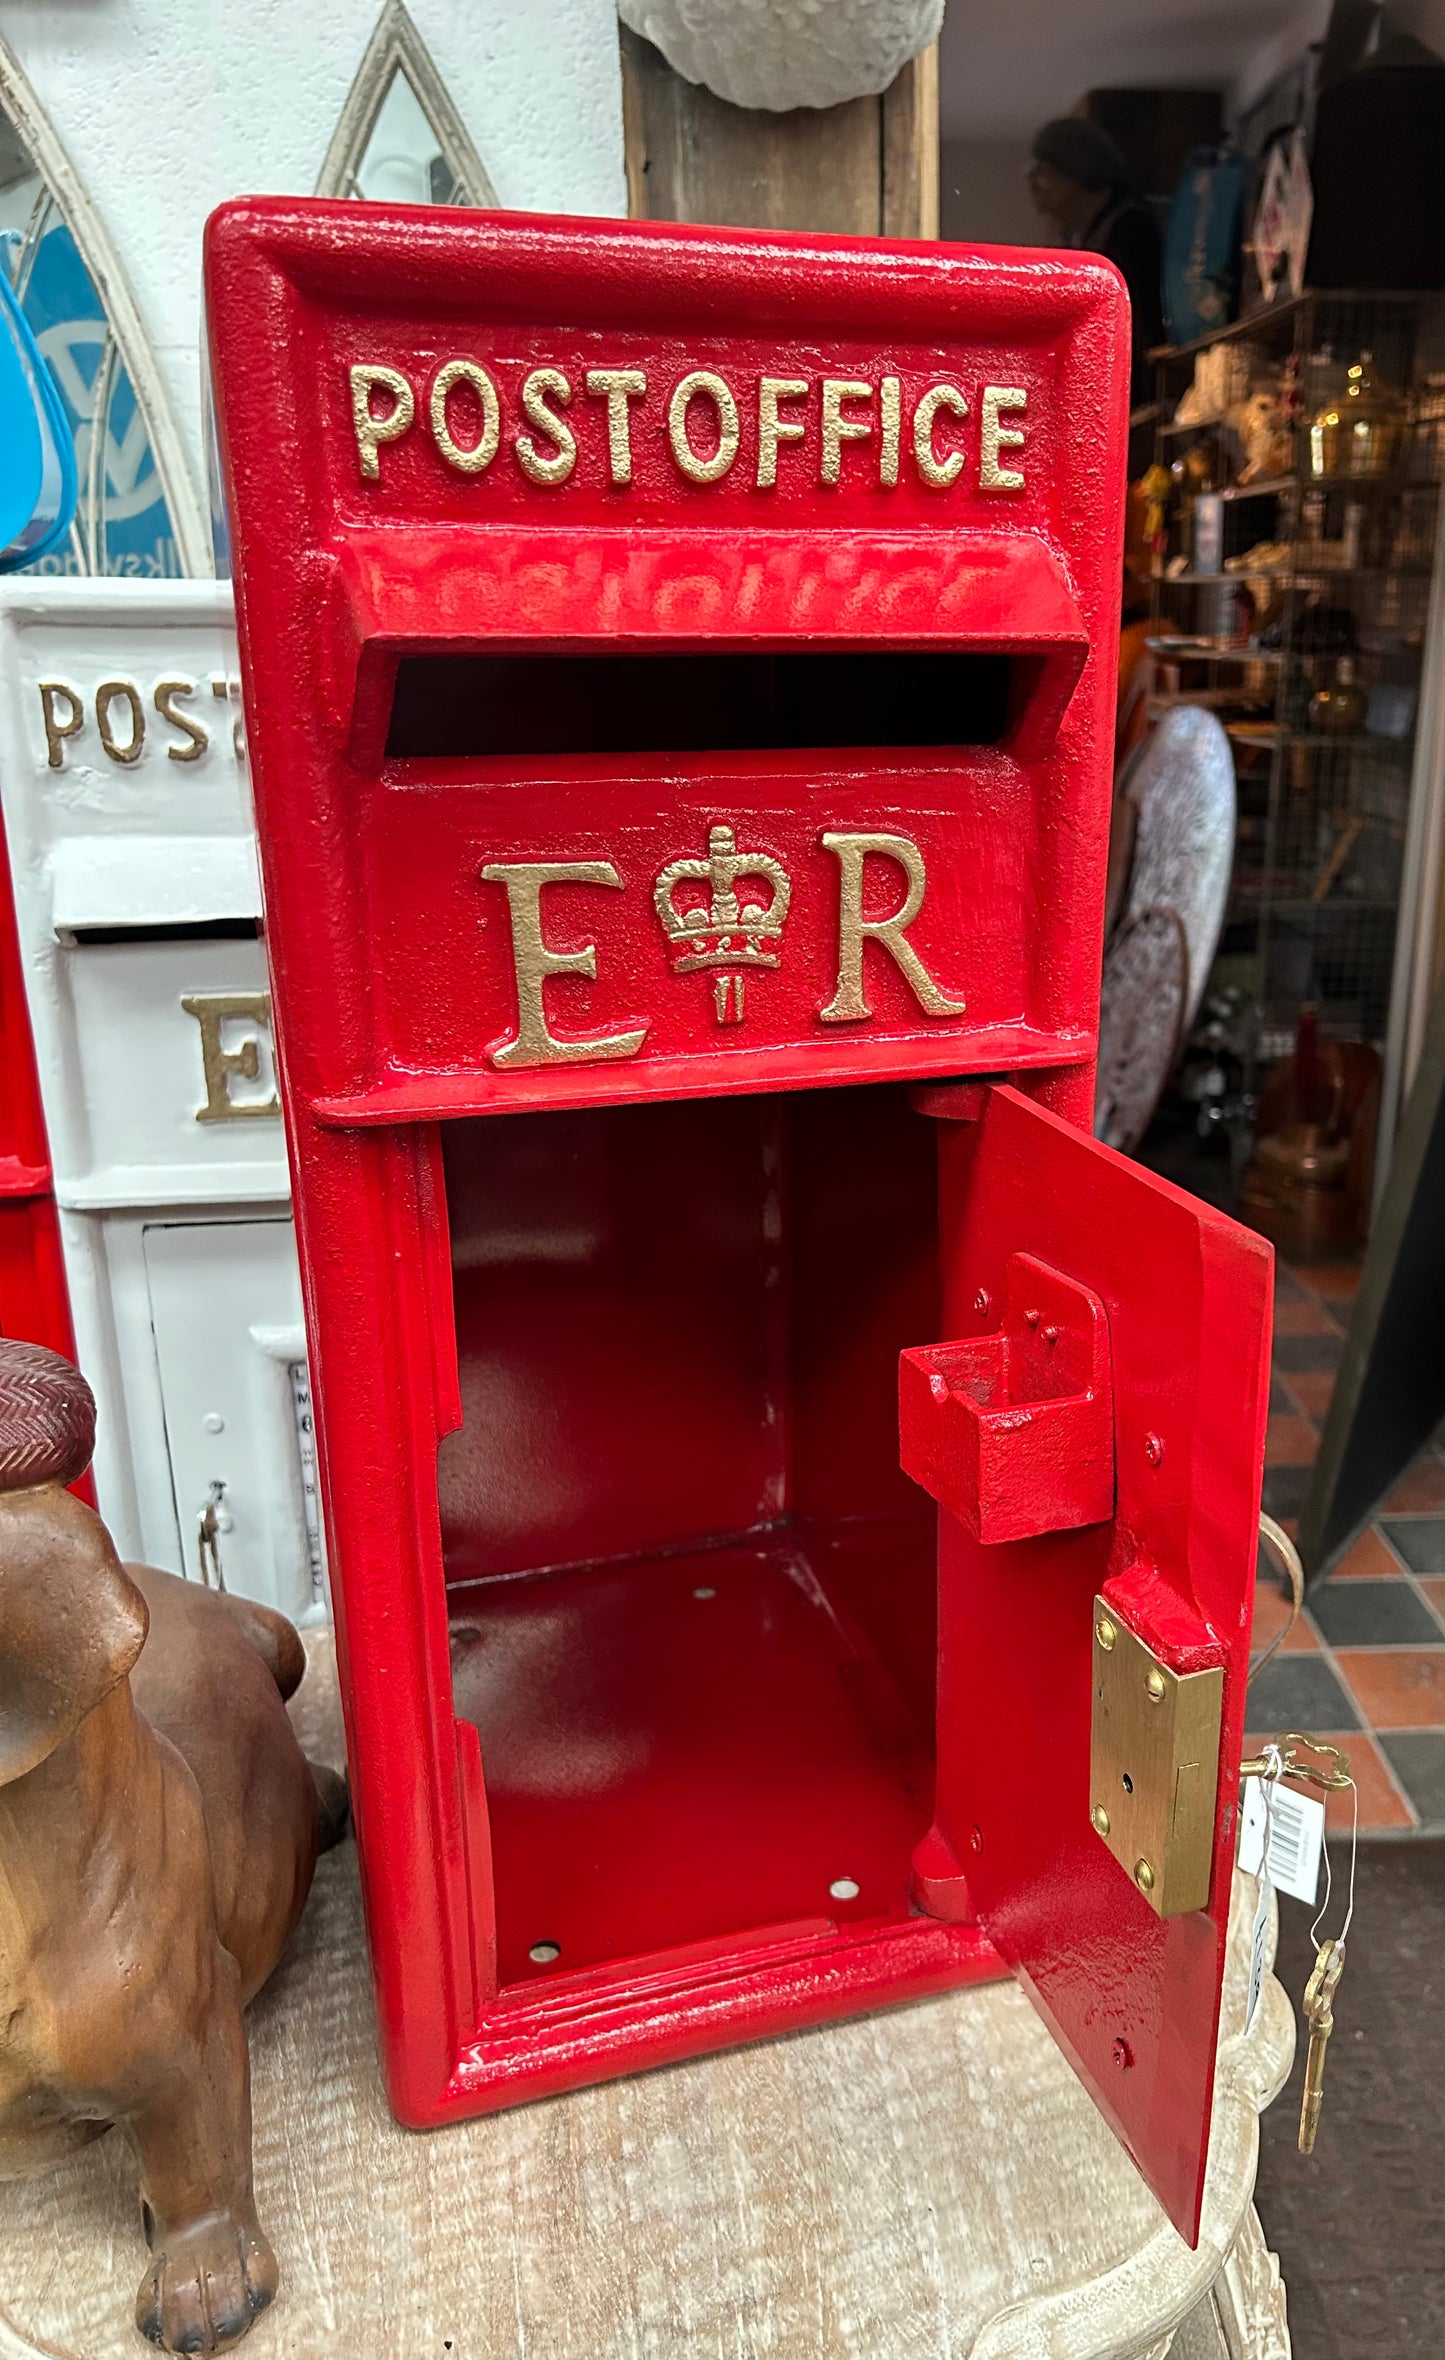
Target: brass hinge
1154, 1766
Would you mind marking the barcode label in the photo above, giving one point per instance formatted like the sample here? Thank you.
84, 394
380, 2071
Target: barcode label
1296, 1838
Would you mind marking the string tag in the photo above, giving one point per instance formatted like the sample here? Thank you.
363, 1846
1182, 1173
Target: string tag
1268, 1778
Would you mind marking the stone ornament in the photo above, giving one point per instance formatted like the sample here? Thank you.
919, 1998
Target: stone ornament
159, 1825
787, 53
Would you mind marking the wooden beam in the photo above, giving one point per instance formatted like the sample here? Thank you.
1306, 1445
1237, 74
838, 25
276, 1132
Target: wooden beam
868, 168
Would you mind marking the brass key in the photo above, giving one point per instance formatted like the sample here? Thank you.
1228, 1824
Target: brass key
1319, 2015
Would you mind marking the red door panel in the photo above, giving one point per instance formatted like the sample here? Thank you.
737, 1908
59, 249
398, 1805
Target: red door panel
1157, 1309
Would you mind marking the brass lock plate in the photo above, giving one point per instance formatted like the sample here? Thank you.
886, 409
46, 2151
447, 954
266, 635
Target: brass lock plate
1154, 1766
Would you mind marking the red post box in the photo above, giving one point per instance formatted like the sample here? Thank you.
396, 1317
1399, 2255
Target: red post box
680, 669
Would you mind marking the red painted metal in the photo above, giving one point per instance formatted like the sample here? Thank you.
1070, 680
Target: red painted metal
34, 1298
1013, 1430
651, 1660
1187, 1297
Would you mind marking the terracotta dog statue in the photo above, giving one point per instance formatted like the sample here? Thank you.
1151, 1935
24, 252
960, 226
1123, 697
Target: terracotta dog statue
159, 1825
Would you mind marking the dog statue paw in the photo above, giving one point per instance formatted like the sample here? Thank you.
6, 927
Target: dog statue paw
159, 1825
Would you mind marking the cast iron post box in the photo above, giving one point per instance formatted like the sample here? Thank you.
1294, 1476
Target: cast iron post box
136, 908
679, 669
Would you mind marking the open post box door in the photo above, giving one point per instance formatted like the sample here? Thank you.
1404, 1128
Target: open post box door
1093, 1433
680, 672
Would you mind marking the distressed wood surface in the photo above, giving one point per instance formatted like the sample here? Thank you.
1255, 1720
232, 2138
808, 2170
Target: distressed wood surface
914, 2186
865, 168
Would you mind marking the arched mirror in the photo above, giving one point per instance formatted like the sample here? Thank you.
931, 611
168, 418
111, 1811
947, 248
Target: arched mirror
400, 139
133, 513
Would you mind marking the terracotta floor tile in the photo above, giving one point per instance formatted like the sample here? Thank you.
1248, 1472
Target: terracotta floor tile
1434, 1589
1313, 1389
1303, 1319
1293, 1442
1370, 1559
1336, 1282
1380, 1805
1420, 1490
1271, 1612
1397, 1687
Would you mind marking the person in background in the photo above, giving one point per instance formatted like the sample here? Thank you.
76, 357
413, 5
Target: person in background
1079, 181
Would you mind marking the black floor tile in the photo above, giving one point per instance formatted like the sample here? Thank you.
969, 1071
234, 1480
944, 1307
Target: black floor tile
1308, 1351
1420, 1540
1284, 1490
1359, 2226
1287, 1288
1279, 1399
1417, 1757
1299, 1692
1373, 1614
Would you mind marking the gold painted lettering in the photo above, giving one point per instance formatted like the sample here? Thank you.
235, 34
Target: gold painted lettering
849, 1004
938, 472
467, 458
836, 428
772, 429
992, 438
716, 390
619, 387
105, 697
196, 739
225, 689
890, 418
212, 1011
533, 961
370, 430
56, 730
535, 463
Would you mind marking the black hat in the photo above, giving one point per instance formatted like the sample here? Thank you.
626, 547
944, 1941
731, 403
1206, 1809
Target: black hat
1082, 152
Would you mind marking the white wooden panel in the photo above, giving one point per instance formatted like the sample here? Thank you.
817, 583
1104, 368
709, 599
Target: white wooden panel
146, 1126
226, 1311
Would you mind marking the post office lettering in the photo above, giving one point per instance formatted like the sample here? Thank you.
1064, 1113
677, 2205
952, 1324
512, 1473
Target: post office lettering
247, 1017
110, 722
771, 432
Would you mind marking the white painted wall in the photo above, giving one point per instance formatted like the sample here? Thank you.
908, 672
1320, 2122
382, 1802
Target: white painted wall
167, 107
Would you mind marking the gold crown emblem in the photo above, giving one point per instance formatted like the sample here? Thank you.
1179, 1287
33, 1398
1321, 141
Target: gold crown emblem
725, 931
709, 923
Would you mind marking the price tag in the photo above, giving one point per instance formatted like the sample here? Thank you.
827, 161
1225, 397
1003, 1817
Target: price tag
1296, 1837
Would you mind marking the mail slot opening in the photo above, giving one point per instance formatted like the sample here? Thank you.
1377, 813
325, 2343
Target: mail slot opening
521, 705
691, 1593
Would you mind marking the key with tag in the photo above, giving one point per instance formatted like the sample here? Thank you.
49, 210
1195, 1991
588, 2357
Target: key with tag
1319, 2015
1296, 1755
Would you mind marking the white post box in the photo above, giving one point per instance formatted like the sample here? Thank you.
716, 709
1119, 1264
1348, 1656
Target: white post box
122, 766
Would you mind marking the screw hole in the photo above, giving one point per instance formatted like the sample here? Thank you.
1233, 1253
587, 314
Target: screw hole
542, 1954
1128, 1784
844, 1889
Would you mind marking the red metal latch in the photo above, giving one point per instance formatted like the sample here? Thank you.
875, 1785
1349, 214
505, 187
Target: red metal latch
1013, 1431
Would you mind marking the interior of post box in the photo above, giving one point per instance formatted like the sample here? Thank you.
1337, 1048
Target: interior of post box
677, 701
691, 1593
